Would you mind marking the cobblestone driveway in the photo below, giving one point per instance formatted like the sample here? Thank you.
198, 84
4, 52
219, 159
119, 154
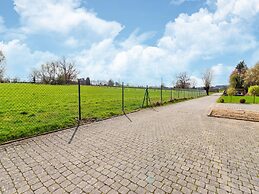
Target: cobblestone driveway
176, 149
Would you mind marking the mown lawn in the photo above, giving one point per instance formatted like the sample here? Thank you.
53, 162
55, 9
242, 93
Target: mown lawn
30, 109
236, 99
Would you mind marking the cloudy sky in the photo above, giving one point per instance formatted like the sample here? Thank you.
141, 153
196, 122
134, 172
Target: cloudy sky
135, 41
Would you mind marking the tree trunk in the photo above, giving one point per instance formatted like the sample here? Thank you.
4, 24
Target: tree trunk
207, 91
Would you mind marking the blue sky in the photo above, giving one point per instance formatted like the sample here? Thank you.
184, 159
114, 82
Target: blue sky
137, 42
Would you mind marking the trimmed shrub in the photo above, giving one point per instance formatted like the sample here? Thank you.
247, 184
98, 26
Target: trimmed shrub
254, 91
242, 100
221, 100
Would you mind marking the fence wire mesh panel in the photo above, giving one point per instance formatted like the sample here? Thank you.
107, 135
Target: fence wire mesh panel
99, 102
28, 109
133, 98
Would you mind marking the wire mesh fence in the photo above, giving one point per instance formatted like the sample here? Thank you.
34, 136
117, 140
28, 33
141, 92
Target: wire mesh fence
28, 109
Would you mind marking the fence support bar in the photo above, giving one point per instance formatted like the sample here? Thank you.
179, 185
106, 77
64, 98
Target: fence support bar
122, 98
161, 94
79, 101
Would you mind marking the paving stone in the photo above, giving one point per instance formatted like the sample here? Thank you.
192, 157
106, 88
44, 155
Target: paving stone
167, 189
123, 190
41, 190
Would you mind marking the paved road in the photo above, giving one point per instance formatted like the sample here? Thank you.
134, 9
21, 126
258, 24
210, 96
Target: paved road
176, 149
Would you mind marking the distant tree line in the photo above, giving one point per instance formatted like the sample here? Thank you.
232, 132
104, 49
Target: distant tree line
61, 71
184, 81
110, 83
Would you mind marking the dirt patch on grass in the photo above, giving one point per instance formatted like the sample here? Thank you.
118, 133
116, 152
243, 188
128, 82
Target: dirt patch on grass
235, 114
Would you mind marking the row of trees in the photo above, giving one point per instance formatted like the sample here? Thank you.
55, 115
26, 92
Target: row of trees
242, 77
55, 72
183, 80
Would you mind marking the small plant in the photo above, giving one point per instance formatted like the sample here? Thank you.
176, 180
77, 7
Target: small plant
242, 101
221, 100
157, 104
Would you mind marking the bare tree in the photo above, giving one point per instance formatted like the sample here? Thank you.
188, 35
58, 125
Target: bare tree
2, 67
55, 72
183, 80
193, 82
47, 74
207, 77
67, 71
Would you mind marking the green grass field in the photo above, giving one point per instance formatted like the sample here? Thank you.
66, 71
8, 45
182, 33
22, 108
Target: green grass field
236, 99
30, 109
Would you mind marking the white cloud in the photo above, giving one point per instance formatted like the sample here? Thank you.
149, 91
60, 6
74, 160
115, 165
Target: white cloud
63, 17
220, 69
136, 38
217, 69
198, 81
204, 35
221, 73
21, 60
237, 9
72, 42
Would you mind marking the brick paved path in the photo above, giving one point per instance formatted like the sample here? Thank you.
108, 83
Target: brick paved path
176, 149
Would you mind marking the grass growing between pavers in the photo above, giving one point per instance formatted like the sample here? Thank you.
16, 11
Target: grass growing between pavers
236, 99
31, 109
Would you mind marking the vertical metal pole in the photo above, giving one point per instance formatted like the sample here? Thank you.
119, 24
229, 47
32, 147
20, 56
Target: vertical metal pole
147, 96
178, 93
161, 94
171, 93
122, 97
79, 101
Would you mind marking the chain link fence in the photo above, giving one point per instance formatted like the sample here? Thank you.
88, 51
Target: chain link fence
28, 109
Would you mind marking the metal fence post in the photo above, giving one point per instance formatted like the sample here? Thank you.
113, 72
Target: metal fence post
122, 97
171, 93
79, 101
161, 94
147, 97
